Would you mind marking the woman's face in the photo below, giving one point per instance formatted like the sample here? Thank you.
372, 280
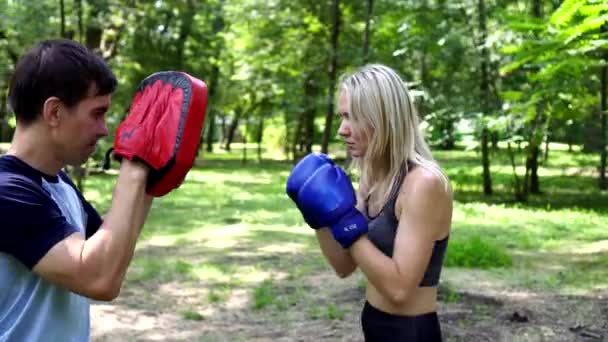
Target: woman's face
353, 137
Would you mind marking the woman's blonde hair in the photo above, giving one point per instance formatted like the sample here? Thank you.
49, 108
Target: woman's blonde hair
382, 110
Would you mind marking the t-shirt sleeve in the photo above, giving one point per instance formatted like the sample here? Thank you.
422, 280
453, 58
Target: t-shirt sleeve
94, 220
32, 222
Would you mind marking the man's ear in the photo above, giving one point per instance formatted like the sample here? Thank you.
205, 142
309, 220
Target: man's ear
50, 111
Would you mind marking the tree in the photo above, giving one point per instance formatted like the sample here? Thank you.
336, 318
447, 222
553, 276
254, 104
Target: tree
484, 92
570, 51
332, 74
366, 36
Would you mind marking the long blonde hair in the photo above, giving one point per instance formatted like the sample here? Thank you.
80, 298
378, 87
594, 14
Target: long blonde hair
382, 110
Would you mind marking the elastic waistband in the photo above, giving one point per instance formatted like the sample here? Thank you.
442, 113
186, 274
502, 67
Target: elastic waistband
372, 311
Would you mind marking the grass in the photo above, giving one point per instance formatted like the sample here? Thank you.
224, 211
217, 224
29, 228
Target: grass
263, 295
231, 228
476, 252
328, 312
192, 315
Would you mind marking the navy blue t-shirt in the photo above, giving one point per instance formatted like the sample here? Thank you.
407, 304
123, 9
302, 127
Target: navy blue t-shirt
32, 222
37, 212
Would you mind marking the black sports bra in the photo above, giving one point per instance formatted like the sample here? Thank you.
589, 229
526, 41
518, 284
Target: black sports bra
383, 229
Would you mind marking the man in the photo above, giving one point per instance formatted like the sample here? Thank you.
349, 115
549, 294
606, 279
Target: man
55, 250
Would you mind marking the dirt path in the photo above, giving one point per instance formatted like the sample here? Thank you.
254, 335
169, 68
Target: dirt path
482, 313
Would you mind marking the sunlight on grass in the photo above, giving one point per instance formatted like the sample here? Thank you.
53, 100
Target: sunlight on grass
476, 252
213, 272
592, 247
216, 178
237, 152
230, 227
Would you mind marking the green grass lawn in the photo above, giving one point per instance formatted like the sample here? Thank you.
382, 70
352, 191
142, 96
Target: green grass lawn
232, 228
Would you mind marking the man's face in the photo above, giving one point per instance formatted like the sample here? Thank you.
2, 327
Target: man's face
81, 127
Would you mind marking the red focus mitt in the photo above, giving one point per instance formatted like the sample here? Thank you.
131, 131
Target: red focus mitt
163, 128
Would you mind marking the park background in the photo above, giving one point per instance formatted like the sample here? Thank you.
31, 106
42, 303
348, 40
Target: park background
513, 100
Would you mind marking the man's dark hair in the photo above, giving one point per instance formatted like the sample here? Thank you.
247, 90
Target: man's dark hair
61, 68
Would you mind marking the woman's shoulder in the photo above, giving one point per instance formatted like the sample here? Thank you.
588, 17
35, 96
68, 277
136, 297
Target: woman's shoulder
426, 196
424, 189
421, 180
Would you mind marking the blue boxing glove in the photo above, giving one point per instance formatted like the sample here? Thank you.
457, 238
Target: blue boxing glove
300, 174
329, 199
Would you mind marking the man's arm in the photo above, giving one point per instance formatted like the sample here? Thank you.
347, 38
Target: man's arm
96, 267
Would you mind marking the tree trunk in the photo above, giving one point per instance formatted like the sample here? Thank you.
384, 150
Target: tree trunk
78, 5
210, 130
232, 129
296, 138
184, 33
366, 34
62, 18
520, 194
260, 135
547, 140
4, 117
533, 149
535, 140
310, 92
7, 130
333, 65
484, 92
485, 161
81, 175
494, 140
546, 151
244, 160
532, 165
93, 38
223, 129
603, 182
217, 27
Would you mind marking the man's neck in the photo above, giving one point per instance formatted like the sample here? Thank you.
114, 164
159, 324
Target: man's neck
31, 147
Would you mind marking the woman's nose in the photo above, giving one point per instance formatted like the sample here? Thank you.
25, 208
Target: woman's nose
344, 129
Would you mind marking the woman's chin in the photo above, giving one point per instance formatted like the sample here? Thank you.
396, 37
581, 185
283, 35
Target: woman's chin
355, 153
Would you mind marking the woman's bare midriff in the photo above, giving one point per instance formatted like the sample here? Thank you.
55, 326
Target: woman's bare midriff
422, 300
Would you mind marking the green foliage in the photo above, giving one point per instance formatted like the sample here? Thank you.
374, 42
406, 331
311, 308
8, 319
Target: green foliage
275, 133
218, 295
251, 211
477, 252
259, 57
256, 250
562, 49
362, 283
263, 295
183, 267
328, 312
448, 294
332, 312
566, 12
192, 315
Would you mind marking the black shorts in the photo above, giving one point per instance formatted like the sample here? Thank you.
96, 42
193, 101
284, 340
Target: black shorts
381, 326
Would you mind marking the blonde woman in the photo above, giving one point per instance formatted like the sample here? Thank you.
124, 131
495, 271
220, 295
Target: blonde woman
395, 229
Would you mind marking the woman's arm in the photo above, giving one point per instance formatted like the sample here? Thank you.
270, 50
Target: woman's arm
424, 210
339, 258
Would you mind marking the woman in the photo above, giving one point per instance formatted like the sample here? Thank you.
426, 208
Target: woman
406, 202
